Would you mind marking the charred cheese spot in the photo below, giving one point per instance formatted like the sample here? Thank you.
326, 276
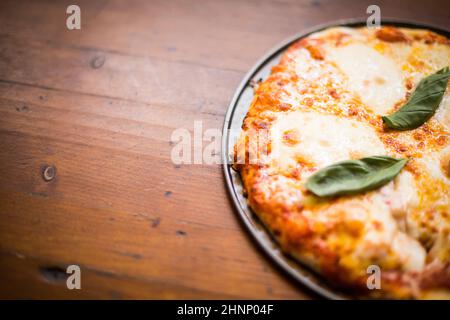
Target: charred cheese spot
390, 34
315, 52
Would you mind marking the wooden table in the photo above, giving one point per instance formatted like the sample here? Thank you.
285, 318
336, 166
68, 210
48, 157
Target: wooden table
99, 105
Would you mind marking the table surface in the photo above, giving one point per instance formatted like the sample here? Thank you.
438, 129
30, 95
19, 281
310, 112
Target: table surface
99, 105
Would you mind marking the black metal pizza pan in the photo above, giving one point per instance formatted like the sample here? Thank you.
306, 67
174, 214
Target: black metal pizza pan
231, 128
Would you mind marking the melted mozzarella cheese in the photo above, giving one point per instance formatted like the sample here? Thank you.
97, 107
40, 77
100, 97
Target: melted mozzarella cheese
375, 78
322, 139
443, 112
400, 195
433, 164
409, 251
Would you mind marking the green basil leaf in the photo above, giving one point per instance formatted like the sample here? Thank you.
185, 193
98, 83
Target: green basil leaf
354, 176
423, 103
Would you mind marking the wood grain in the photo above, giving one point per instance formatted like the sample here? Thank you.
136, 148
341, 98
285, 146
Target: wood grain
99, 104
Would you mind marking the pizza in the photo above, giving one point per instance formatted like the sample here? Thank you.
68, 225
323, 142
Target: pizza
343, 108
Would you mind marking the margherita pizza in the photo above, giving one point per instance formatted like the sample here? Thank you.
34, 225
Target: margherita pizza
345, 157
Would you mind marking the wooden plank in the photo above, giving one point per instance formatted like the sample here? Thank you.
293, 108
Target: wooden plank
108, 183
29, 278
139, 79
212, 33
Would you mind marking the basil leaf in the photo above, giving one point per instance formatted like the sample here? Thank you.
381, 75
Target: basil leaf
354, 176
423, 103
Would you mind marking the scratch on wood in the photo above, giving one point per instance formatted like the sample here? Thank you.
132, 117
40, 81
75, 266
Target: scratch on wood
133, 255
181, 233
